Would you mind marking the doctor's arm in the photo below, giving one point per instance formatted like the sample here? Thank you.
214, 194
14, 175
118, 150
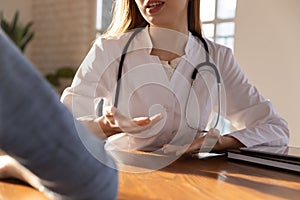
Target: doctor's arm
81, 101
255, 120
94, 81
112, 120
254, 117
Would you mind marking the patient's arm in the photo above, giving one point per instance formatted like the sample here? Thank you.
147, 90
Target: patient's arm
42, 135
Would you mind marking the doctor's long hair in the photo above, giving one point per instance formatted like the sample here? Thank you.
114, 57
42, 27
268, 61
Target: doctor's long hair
126, 16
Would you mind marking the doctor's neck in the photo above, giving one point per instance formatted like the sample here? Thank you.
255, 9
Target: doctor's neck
167, 43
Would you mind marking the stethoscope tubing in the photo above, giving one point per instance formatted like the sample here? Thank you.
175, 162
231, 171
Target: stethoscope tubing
193, 77
121, 65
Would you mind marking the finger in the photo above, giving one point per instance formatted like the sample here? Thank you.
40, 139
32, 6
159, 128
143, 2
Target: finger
156, 118
141, 121
168, 148
148, 124
194, 147
183, 150
110, 120
135, 125
120, 118
108, 114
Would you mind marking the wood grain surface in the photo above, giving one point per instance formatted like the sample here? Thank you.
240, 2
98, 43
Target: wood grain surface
187, 179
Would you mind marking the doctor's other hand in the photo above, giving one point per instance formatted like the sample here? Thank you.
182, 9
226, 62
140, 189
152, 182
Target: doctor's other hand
113, 122
212, 141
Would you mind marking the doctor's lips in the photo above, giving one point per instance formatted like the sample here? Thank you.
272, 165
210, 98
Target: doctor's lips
154, 6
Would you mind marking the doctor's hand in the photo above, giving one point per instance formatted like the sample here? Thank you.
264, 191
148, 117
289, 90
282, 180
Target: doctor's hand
212, 141
203, 144
113, 122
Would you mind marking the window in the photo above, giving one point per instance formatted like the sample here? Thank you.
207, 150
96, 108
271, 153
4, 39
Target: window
103, 14
218, 20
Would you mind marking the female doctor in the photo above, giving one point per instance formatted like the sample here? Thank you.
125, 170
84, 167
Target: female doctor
148, 108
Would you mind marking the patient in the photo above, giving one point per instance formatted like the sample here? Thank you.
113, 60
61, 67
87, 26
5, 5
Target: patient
43, 140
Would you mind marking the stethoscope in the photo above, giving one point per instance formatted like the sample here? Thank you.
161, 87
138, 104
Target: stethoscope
193, 77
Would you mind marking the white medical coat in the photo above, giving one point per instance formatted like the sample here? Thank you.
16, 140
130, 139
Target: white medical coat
146, 90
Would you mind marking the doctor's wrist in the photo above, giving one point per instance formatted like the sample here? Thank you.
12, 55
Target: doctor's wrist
106, 127
227, 142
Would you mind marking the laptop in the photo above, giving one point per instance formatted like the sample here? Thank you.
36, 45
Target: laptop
280, 157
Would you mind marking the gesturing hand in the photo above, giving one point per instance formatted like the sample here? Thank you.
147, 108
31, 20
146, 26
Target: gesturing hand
113, 122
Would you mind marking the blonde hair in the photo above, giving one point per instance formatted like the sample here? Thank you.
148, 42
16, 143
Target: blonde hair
126, 16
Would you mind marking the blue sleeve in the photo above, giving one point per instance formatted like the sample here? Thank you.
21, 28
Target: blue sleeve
39, 131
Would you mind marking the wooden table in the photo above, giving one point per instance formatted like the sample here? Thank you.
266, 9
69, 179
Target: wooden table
192, 178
